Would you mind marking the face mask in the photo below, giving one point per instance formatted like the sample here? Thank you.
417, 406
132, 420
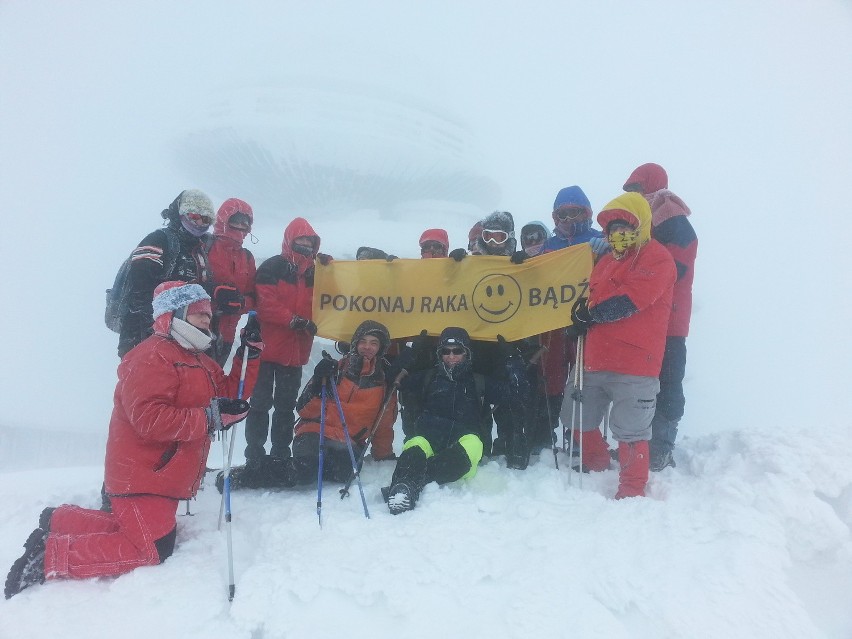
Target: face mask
622, 240
307, 251
191, 338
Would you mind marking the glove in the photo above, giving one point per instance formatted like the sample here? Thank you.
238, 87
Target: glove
458, 254
599, 245
580, 314
505, 349
301, 324
518, 257
342, 347
405, 359
325, 368
324, 258
224, 412
391, 258
250, 339
228, 300
419, 342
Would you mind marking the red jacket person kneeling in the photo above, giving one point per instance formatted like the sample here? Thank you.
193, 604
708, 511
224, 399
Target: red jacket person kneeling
169, 400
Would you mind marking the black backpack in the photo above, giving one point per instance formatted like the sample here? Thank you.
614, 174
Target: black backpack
118, 297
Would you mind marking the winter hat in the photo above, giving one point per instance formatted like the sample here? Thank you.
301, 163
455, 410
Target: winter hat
572, 196
651, 177
370, 253
435, 235
195, 201
454, 336
170, 297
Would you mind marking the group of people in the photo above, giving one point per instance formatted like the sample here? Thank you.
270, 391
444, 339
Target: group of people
189, 288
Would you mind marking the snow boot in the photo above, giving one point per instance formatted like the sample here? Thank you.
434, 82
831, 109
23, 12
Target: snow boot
28, 569
517, 451
661, 458
633, 476
401, 497
595, 451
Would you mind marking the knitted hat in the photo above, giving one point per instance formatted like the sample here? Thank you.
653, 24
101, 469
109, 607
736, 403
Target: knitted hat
194, 201
454, 336
170, 297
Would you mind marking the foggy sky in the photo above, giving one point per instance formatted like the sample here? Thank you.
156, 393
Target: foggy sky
746, 104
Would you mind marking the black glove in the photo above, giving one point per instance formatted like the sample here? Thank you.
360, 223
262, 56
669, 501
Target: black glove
419, 342
250, 338
505, 349
224, 412
325, 368
228, 300
405, 359
324, 258
580, 313
342, 347
458, 254
518, 257
302, 324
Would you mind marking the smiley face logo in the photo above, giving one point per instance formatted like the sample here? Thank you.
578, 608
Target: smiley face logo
496, 298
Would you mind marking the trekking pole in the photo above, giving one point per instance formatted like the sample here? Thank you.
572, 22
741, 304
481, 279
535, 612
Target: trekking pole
581, 348
321, 451
344, 492
226, 488
349, 447
576, 398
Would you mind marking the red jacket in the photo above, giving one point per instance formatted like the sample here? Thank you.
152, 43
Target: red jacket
285, 285
361, 398
158, 438
231, 264
630, 298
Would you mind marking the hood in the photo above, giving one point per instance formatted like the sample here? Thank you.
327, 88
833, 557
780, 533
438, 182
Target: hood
652, 177
631, 207
473, 237
533, 226
371, 327
666, 205
231, 207
299, 227
572, 196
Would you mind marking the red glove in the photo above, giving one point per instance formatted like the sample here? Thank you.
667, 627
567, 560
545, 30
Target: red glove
224, 412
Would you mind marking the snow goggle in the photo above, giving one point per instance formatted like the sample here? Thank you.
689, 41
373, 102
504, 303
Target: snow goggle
492, 236
431, 246
569, 213
240, 221
534, 237
199, 220
455, 350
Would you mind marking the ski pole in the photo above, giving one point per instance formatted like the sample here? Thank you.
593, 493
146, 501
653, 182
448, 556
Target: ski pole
344, 492
576, 398
321, 450
355, 470
227, 467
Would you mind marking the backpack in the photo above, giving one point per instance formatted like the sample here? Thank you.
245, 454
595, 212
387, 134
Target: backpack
118, 297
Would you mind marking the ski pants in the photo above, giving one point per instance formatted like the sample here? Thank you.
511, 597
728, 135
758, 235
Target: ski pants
459, 460
670, 400
140, 531
336, 462
633, 397
277, 387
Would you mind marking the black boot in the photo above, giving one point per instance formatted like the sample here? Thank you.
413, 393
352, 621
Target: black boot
409, 477
517, 451
28, 569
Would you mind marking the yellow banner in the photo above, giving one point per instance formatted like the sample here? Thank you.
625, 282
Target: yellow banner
483, 294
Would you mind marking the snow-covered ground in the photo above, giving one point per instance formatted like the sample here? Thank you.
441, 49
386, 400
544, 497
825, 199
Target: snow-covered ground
750, 536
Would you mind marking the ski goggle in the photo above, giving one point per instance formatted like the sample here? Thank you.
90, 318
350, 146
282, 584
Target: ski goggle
431, 246
568, 213
240, 221
455, 350
532, 238
199, 220
492, 236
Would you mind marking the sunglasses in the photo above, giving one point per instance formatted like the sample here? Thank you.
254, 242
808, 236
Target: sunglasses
569, 213
199, 220
433, 247
452, 351
494, 237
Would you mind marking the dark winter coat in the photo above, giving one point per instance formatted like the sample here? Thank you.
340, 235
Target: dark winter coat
148, 264
285, 285
158, 439
630, 298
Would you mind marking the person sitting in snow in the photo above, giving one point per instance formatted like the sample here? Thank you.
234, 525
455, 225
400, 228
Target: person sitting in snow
626, 316
446, 445
364, 385
170, 399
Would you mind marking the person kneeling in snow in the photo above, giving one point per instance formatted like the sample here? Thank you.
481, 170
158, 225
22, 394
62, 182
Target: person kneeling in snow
626, 316
169, 401
446, 445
